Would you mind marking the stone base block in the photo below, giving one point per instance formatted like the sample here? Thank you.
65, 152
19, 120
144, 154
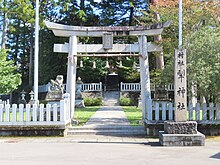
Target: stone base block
197, 139
188, 127
79, 103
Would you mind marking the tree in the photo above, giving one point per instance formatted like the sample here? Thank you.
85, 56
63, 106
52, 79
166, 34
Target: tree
10, 10
204, 62
10, 79
196, 15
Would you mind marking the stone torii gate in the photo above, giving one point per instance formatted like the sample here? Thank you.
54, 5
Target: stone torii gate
107, 49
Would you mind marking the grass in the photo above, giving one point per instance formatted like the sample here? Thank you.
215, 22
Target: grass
84, 114
133, 114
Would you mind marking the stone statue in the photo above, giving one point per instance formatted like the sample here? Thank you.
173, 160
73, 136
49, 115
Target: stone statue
56, 89
57, 85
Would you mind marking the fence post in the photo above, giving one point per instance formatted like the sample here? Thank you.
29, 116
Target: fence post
1, 112
7, 112
62, 110
55, 112
21, 112
41, 112
218, 111
170, 106
164, 110
28, 109
48, 107
14, 112
191, 111
204, 111
197, 111
149, 109
35, 112
211, 111
157, 111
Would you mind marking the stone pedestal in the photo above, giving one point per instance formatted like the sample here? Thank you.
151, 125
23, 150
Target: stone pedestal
181, 134
79, 103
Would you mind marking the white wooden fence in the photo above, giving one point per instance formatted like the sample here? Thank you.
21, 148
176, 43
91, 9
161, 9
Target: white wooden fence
202, 113
137, 87
84, 87
49, 115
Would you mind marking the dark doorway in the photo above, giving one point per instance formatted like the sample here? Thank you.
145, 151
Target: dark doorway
112, 82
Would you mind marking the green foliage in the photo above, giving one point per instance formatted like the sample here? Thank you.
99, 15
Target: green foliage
93, 101
202, 43
204, 62
124, 101
10, 79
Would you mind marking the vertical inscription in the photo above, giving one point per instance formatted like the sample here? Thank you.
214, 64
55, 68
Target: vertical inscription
180, 85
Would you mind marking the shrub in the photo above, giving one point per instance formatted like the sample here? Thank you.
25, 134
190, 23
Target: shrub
124, 101
93, 101
97, 101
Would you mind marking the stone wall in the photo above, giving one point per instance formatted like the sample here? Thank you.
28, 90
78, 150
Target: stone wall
33, 131
206, 129
92, 94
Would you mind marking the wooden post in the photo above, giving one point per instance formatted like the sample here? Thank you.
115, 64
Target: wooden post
71, 72
144, 74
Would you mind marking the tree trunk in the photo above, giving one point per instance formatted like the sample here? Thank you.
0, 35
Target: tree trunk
131, 13
4, 30
160, 56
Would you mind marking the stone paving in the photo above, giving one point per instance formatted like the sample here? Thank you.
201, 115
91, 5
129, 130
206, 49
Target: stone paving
108, 116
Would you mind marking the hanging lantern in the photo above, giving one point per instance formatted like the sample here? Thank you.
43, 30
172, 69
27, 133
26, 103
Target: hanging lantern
94, 64
107, 64
120, 64
134, 66
81, 64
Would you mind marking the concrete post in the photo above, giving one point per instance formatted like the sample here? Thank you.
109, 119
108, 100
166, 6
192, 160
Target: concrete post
144, 74
71, 72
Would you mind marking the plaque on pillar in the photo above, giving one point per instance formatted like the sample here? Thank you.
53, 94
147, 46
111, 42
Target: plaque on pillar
107, 40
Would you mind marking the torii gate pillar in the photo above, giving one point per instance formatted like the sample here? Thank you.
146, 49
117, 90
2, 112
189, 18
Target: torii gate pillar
144, 74
71, 72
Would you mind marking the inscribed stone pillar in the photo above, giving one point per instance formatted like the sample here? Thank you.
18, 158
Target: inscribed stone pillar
71, 72
180, 86
144, 74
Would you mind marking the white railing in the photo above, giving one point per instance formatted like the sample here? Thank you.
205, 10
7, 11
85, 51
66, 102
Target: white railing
202, 113
85, 87
49, 115
130, 86
137, 87
91, 87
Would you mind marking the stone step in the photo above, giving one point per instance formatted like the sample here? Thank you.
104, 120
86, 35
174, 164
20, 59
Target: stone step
107, 132
109, 127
